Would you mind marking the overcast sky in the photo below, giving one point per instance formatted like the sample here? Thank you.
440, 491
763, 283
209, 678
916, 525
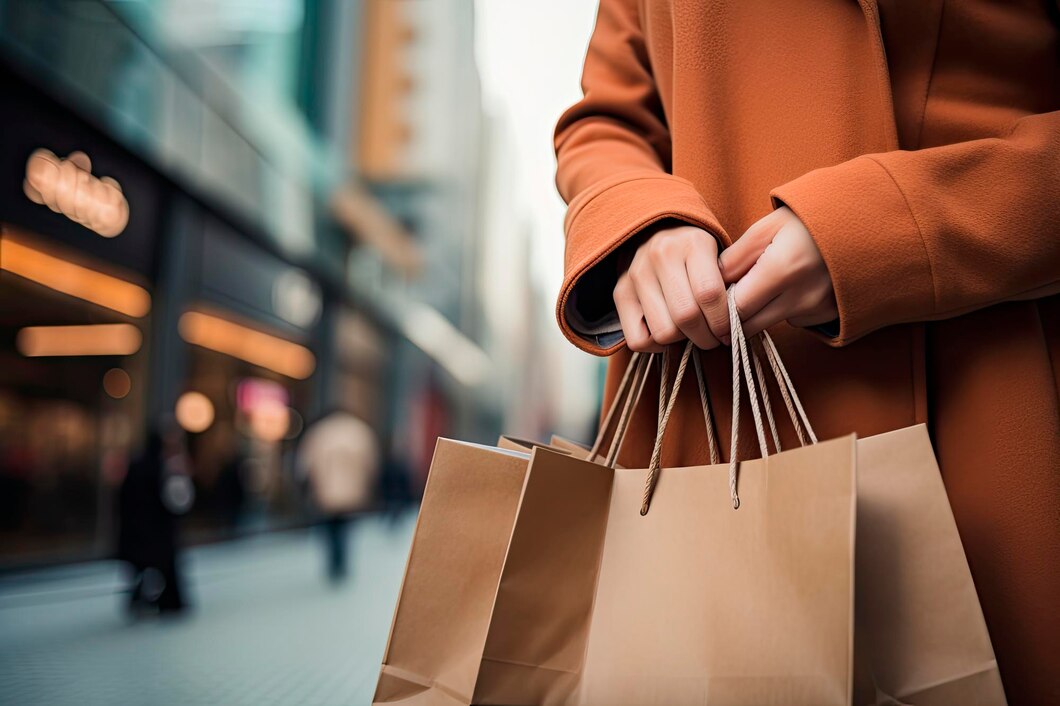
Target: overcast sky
530, 57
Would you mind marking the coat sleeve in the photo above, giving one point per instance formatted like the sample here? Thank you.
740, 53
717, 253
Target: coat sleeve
934, 233
613, 164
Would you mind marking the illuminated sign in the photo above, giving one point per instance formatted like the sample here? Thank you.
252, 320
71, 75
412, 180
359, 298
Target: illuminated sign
67, 186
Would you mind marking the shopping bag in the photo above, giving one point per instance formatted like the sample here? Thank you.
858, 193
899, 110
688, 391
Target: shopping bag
458, 548
699, 602
918, 615
920, 632
500, 579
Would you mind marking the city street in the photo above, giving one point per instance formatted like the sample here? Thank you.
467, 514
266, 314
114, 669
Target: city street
266, 627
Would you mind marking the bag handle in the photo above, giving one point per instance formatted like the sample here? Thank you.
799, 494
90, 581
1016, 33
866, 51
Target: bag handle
799, 419
630, 389
744, 356
635, 391
623, 386
708, 417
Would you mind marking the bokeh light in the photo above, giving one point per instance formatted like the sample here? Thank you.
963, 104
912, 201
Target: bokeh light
194, 412
269, 421
117, 383
295, 425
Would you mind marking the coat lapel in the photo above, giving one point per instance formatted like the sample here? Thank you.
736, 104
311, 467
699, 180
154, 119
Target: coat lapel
918, 25
871, 11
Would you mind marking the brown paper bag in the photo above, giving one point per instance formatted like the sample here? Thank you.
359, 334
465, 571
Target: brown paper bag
918, 615
921, 635
537, 639
500, 578
698, 602
920, 630
458, 549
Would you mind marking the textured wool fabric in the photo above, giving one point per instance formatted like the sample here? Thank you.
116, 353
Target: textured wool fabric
920, 144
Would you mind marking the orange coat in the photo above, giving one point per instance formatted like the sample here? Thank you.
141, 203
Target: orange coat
920, 144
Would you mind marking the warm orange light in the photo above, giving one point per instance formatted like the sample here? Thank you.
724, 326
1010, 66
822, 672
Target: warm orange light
95, 339
75, 280
116, 383
194, 412
261, 349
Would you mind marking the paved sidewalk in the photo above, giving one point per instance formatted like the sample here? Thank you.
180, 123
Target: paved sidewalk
266, 628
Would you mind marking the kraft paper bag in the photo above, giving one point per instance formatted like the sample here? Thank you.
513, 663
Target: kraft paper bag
497, 591
725, 584
698, 603
535, 650
920, 632
919, 618
694, 602
921, 639
443, 613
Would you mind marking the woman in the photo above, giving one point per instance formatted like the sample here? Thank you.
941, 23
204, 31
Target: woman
881, 180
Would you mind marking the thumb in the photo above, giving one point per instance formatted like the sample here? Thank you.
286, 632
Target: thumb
738, 259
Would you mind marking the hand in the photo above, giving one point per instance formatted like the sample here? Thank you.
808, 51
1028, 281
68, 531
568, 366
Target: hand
672, 290
779, 275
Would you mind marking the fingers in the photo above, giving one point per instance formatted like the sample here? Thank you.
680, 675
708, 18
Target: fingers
671, 291
786, 284
656, 312
67, 186
817, 306
692, 287
760, 286
738, 259
631, 317
708, 290
778, 274
770, 315
681, 303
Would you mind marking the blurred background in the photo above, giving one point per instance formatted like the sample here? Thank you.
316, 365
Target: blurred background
339, 239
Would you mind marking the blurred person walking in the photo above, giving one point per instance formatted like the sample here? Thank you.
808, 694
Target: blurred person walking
231, 491
155, 492
339, 457
879, 182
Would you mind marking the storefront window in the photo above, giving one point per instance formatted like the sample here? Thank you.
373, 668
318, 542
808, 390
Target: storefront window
72, 389
243, 422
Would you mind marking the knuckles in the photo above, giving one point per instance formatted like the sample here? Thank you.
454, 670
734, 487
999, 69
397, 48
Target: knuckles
668, 333
709, 294
686, 314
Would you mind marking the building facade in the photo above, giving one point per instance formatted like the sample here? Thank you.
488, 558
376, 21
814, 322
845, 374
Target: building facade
281, 257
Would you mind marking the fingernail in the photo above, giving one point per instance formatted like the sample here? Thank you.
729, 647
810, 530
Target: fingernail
725, 340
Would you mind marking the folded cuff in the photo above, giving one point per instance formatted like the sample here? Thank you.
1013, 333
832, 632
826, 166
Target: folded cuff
862, 224
603, 218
